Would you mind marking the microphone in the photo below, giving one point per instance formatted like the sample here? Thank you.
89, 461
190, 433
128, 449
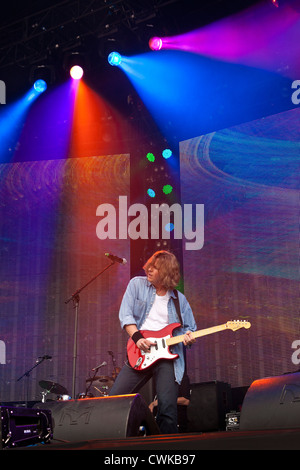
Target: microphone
43, 358
116, 258
101, 365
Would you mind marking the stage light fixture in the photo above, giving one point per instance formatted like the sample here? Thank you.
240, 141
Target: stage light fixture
76, 64
167, 189
151, 192
114, 58
41, 76
169, 227
40, 86
167, 153
76, 72
150, 157
155, 44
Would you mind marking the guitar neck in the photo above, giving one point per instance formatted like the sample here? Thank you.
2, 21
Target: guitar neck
196, 334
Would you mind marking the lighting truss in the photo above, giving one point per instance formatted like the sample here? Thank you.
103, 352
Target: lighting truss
64, 25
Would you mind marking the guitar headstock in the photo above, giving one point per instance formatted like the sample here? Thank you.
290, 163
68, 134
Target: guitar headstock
237, 324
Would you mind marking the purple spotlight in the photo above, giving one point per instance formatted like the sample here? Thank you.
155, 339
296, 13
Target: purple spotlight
155, 44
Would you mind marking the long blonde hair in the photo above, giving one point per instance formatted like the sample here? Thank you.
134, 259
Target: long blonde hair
168, 267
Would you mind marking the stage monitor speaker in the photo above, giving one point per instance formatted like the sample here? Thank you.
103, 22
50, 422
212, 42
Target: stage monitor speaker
147, 391
101, 418
21, 427
272, 403
210, 401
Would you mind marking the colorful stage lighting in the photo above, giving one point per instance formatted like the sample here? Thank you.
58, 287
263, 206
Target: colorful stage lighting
150, 157
167, 189
167, 153
114, 58
151, 192
155, 44
76, 72
40, 86
169, 227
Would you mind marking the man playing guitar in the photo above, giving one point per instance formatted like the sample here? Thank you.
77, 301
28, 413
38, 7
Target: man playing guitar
150, 304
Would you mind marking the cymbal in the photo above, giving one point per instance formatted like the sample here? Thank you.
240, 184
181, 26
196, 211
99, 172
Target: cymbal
102, 385
103, 379
53, 387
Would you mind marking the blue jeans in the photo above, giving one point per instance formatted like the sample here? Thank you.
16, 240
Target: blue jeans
130, 381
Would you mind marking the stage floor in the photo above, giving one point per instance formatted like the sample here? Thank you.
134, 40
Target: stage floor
227, 440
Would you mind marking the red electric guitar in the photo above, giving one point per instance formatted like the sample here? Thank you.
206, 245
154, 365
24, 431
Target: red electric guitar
163, 339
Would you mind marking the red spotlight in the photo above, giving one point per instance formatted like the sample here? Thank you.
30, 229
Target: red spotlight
275, 3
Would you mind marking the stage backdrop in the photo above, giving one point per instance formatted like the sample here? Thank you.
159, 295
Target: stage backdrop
49, 249
248, 179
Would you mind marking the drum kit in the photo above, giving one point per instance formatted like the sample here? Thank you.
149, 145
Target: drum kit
96, 386
52, 387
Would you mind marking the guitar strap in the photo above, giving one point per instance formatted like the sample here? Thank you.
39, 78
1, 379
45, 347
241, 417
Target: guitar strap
176, 302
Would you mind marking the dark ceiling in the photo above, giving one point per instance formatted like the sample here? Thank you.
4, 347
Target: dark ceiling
31, 32
47, 32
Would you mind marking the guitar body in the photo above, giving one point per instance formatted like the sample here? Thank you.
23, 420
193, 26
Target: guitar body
140, 360
164, 338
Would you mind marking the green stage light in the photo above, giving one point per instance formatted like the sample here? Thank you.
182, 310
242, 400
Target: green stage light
167, 189
150, 157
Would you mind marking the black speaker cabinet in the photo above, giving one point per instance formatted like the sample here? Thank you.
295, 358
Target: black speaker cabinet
147, 392
100, 418
24, 426
272, 403
210, 401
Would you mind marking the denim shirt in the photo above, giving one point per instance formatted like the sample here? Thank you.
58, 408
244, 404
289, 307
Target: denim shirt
136, 305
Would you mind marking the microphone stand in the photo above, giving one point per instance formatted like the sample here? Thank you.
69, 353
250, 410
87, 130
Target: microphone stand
114, 363
91, 379
27, 374
76, 299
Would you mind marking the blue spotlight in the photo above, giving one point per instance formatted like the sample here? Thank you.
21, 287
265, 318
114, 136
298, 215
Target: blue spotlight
114, 58
12, 119
40, 86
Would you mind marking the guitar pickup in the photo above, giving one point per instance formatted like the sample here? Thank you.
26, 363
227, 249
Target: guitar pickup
138, 363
